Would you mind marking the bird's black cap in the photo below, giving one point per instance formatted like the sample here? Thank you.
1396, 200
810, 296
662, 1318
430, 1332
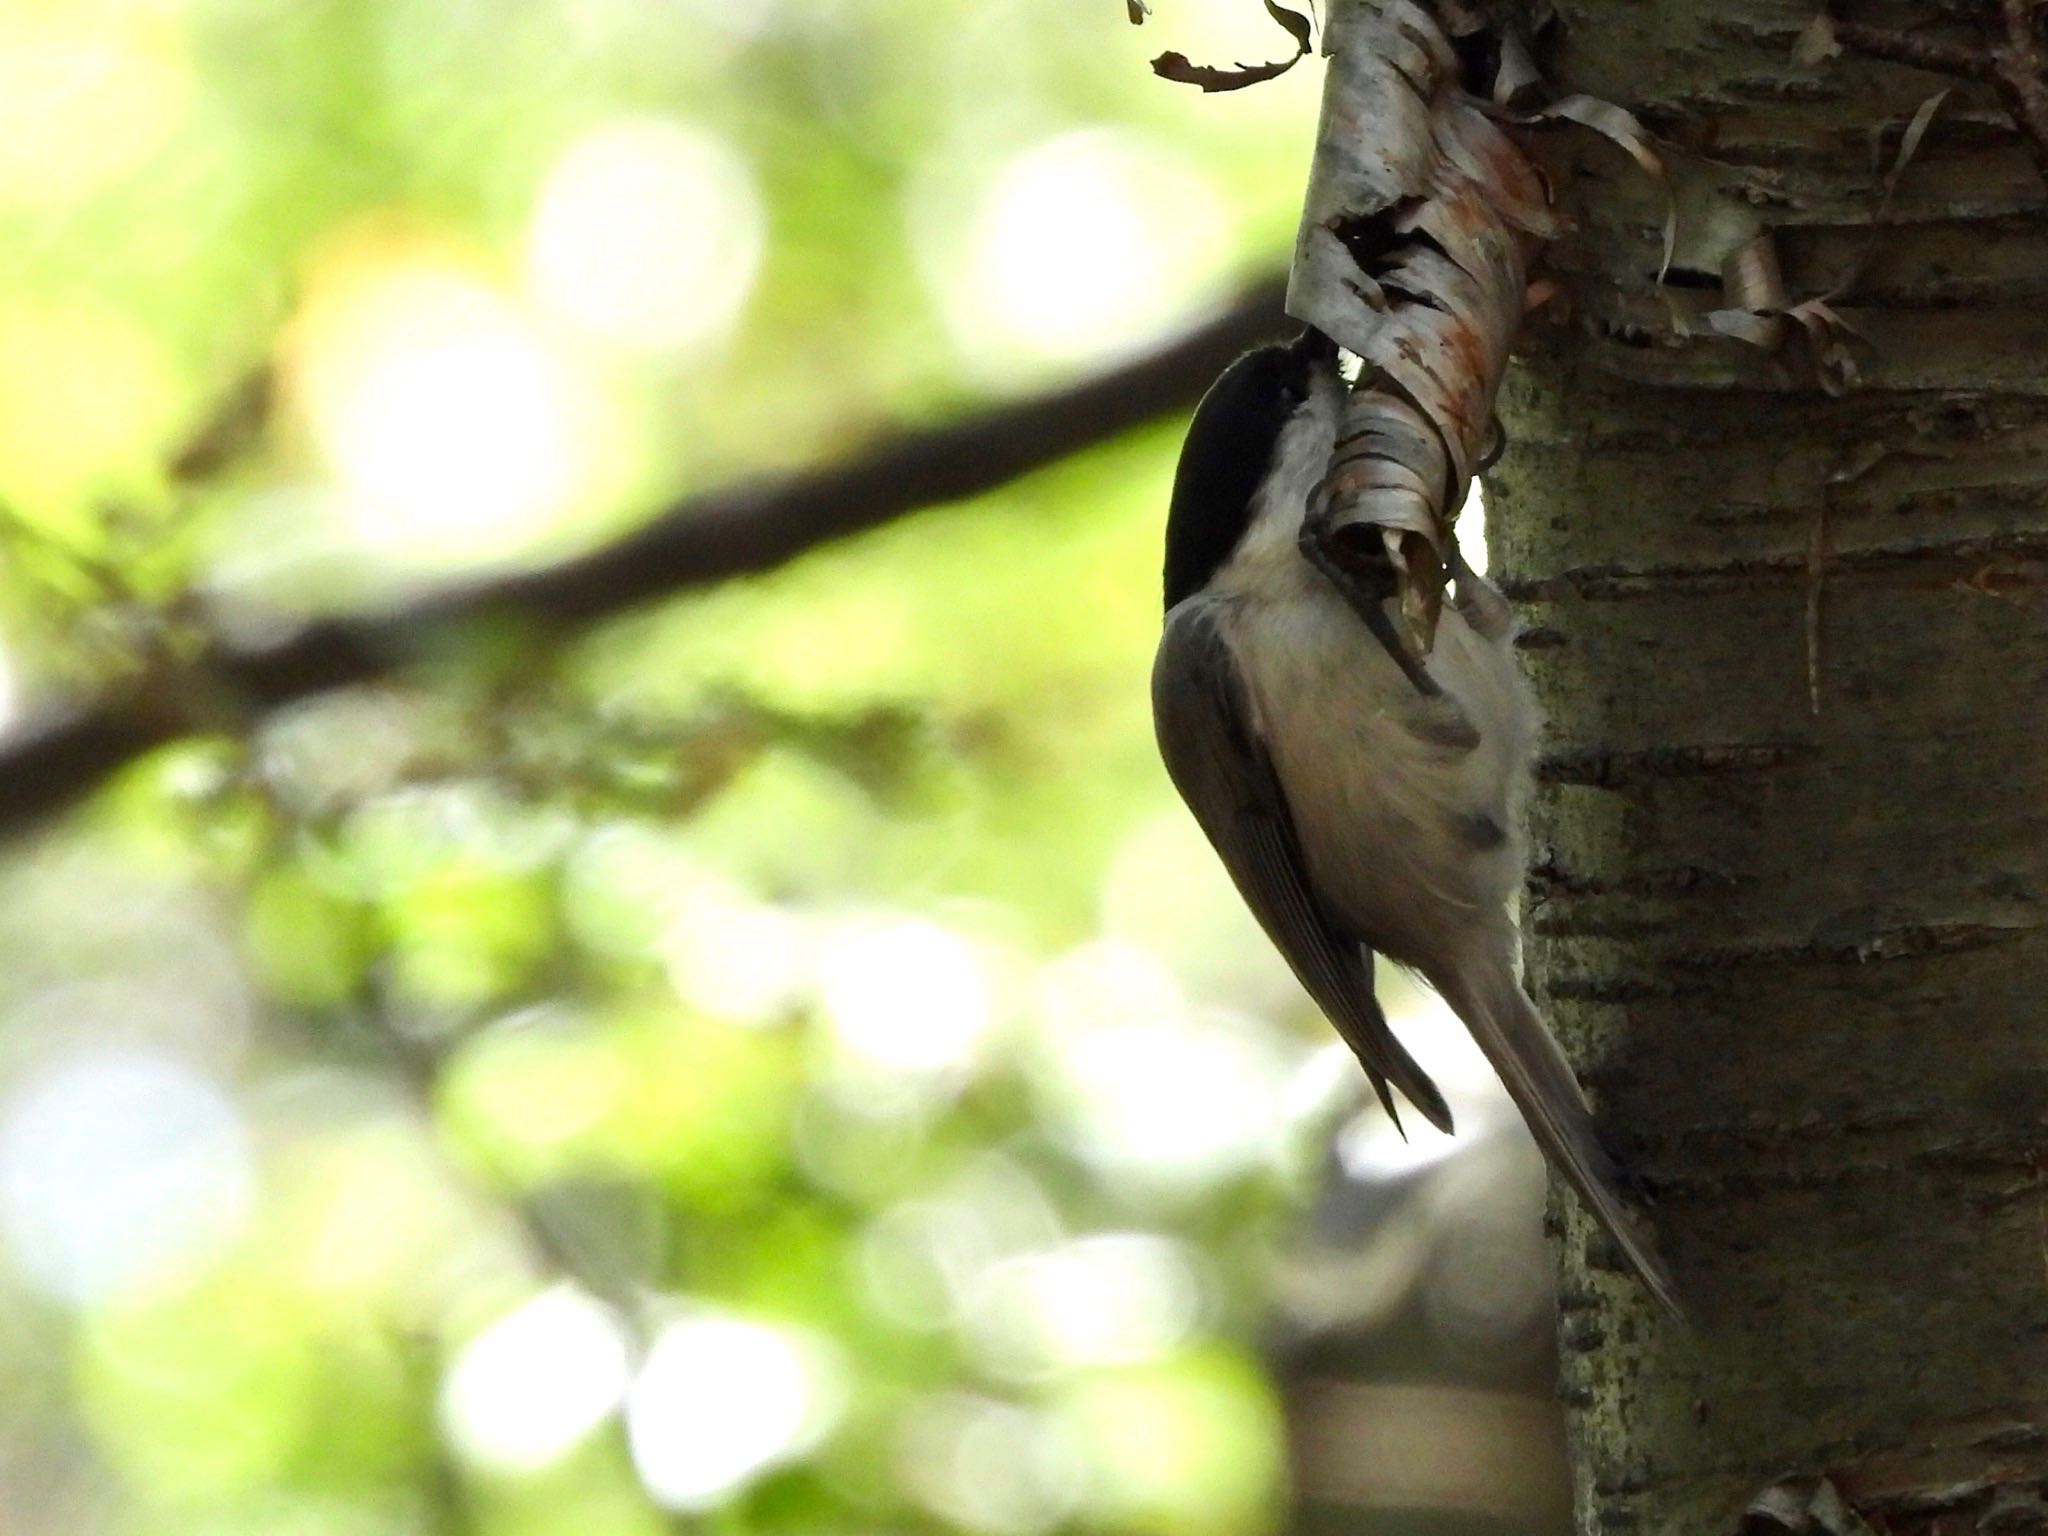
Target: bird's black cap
1228, 450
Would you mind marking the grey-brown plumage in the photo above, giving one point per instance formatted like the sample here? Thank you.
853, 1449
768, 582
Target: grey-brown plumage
1223, 771
1356, 811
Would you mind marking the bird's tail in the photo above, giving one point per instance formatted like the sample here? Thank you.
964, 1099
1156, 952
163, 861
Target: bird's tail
1540, 1081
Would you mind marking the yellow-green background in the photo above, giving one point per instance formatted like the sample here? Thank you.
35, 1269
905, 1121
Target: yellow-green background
777, 1062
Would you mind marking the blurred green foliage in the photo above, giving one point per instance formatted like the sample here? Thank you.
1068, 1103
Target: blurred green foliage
776, 1062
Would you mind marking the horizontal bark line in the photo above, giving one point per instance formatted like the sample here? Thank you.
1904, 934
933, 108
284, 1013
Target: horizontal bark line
1639, 906
1971, 169
1987, 510
1799, 190
1953, 295
2019, 558
1694, 967
1615, 926
1922, 1467
1781, 37
1550, 879
1905, 942
1944, 1469
1852, 418
1612, 768
1914, 1466
2003, 348
1895, 469
1692, 1176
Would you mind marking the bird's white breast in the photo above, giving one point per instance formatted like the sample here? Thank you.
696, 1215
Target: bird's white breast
1390, 797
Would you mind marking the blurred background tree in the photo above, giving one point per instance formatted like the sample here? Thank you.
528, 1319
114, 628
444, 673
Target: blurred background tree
773, 1059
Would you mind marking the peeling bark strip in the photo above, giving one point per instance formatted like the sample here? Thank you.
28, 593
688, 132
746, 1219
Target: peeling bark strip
1420, 221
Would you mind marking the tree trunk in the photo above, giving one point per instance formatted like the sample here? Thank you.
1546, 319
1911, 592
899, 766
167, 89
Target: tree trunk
1790, 907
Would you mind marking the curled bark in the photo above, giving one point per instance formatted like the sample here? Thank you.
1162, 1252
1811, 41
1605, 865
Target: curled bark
1420, 222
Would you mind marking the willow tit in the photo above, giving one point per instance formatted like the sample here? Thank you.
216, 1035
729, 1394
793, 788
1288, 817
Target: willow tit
1362, 798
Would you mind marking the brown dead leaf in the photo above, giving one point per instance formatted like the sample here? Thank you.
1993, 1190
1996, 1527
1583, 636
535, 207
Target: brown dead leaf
1208, 77
1296, 25
1178, 68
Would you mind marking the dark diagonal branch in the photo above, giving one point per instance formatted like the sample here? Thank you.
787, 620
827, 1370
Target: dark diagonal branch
742, 530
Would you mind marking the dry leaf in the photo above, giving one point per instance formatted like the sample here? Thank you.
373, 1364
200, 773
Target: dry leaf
1137, 10
1175, 66
1296, 24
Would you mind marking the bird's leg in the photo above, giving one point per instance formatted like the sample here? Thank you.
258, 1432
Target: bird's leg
1365, 584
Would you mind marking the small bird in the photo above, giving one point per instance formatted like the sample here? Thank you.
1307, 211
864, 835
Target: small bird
1363, 799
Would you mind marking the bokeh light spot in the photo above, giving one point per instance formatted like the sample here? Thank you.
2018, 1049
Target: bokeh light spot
1190, 1445
1151, 1091
1114, 1298
988, 1465
10, 692
1084, 246
648, 233
115, 1166
904, 995
721, 1400
87, 400
1374, 1150
453, 422
84, 100
528, 1388
735, 957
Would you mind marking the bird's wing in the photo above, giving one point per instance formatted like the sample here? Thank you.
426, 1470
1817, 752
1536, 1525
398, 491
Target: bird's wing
1221, 768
